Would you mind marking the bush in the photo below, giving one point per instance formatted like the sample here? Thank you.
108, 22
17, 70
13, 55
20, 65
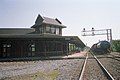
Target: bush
116, 45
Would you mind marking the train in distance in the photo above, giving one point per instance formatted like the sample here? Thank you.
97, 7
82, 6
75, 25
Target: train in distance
102, 47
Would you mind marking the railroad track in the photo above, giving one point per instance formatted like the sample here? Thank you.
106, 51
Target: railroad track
115, 57
85, 69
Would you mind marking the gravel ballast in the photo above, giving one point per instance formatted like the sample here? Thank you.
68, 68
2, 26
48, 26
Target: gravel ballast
113, 67
67, 69
112, 63
93, 71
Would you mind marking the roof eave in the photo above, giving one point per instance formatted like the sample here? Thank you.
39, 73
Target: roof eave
56, 25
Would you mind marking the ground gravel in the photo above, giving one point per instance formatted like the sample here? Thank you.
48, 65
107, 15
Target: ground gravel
112, 63
113, 66
93, 71
67, 69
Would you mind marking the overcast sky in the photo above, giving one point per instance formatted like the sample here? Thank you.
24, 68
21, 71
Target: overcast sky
75, 14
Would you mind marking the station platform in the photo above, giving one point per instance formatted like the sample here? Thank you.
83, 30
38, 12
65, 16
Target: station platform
71, 56
79, 54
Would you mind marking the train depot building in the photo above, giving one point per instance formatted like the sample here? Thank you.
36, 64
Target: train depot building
43, 39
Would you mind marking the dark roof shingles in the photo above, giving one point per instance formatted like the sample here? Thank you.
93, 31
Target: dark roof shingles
51, 21
11, 31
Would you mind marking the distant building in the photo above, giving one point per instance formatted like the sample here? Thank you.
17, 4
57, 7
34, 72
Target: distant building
44, 38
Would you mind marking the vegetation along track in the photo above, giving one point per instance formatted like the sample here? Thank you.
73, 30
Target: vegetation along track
94, 70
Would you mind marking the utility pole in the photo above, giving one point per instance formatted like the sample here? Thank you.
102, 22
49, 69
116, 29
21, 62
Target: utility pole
93, 32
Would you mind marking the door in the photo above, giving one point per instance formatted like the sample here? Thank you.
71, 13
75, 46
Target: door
6, 50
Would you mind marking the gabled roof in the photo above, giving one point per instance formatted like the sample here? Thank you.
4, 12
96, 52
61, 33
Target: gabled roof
52, 21
45, 20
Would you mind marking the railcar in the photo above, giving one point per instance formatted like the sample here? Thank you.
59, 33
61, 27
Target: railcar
101, 47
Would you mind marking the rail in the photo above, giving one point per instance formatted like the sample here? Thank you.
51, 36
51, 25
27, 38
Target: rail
109, 76
83, 68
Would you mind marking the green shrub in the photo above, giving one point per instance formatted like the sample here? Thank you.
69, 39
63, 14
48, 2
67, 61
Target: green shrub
116, 45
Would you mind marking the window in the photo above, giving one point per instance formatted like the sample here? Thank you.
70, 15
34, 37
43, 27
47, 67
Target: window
6, 50
57, 31
53, 30
47, 29
5, 46
32, 47
41, 30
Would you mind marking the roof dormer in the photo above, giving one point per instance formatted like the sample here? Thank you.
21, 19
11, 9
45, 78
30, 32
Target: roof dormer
45, 25
45, 20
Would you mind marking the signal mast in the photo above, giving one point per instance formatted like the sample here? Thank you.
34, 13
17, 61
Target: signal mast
93, 32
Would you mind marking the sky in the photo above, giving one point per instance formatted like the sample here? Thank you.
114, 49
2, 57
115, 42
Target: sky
75, 14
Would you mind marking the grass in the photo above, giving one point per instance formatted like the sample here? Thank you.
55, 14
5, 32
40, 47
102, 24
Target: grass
52, 75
